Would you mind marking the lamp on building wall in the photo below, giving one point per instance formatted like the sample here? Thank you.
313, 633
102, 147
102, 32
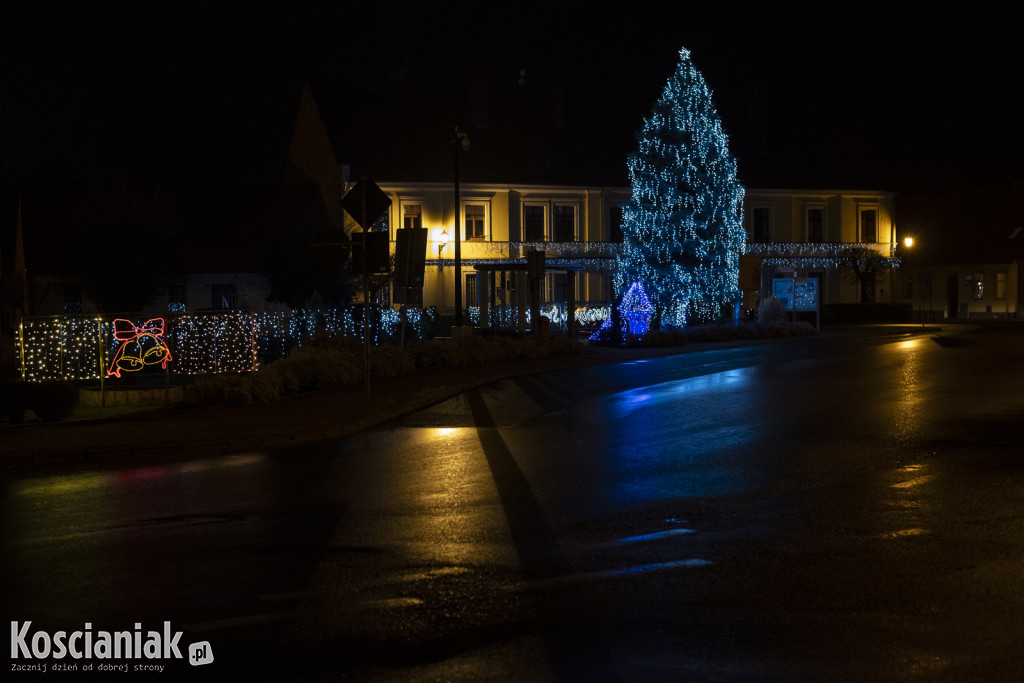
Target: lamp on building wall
442, 242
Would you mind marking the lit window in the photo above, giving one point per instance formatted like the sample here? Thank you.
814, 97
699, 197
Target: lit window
1000, 285
979, 285
475, 215
412, 216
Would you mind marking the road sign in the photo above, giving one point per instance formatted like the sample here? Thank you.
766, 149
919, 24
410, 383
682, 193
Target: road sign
377, 260
410, 256
366, 202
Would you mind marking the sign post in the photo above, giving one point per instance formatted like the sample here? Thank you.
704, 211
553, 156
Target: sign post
366, 203
410, 262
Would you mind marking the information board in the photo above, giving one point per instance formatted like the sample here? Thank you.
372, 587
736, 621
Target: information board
796, 294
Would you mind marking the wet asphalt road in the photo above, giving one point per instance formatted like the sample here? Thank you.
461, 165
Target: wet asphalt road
819, 509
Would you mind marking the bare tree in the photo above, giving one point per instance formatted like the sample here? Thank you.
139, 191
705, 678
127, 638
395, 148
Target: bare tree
863, 266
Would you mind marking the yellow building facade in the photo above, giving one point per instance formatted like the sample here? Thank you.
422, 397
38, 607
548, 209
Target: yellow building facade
790, 233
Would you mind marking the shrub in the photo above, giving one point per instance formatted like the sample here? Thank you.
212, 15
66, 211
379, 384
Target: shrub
771, 311
329, 364
228, 390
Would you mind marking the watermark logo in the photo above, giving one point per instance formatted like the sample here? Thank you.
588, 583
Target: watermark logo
87, 644
200, 653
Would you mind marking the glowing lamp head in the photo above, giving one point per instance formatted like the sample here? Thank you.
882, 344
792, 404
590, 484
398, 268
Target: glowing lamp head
908, 241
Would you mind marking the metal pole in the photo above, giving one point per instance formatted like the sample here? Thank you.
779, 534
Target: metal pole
103, 365
456, 145
366, 301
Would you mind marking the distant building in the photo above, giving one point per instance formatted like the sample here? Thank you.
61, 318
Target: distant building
967, 257
790, 233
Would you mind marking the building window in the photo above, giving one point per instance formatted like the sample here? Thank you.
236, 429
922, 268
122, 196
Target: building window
554, 287
565, 224
762, 224
908, 285
924, 279
815, 225
615, 224
869, 225
177, 297
533, 223
470, 299
1000, 286
979, 285
223, 296
475, 217
412, 216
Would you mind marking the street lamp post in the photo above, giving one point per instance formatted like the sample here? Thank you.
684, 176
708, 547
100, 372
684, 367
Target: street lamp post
442, 242
460, 143
908, 242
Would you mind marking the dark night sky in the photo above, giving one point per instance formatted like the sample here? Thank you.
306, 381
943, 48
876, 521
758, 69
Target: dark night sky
904, 96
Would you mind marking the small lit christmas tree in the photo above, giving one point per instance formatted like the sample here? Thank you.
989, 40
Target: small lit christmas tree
631, 317
636, 308
683, 229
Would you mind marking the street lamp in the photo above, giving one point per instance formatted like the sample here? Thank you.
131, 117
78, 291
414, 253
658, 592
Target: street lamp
460, 143
442, 242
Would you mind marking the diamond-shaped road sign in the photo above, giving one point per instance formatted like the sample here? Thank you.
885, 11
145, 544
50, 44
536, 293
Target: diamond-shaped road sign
366, 202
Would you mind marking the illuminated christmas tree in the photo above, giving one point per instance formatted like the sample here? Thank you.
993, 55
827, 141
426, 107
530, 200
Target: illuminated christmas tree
683, 229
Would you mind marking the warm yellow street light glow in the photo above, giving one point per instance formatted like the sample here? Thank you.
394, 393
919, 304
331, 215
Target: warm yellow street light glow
909, 241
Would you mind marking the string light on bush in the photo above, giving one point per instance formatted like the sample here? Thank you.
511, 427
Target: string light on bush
61, 348
209, 343
74, 347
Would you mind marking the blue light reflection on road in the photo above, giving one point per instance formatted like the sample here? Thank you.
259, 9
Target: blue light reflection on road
671, 391
680, 438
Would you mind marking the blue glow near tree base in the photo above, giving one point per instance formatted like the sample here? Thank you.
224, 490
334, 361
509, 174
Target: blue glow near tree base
683, 228
636, 308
